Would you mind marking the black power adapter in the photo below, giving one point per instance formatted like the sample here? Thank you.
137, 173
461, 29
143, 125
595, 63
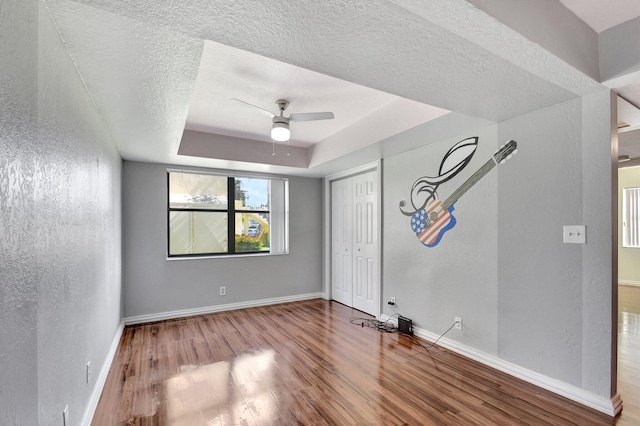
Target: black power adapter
405, 325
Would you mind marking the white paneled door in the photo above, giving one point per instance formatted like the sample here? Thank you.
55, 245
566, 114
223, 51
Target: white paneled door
341, 231
355, 267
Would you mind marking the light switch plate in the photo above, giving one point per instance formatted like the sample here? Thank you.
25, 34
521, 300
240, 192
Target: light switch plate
574, 234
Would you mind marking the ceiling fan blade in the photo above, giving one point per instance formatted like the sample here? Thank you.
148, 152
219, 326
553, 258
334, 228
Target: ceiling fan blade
264, 111
311, 116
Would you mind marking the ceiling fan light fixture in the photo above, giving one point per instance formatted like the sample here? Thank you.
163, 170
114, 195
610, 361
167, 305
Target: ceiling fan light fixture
280, 131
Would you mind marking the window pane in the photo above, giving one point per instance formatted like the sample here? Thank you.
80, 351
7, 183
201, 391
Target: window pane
252, 232
193, 191
252, 194
197, 232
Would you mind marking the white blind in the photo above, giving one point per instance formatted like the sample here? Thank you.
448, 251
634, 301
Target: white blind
630, 221
279, 208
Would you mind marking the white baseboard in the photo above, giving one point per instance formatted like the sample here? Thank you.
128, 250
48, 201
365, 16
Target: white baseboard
626, 282
102, 378
139, 319
611, 406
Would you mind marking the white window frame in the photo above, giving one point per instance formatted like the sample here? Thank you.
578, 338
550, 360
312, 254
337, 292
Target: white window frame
278, 216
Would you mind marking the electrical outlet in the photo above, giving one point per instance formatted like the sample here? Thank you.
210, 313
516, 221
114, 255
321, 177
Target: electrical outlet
65, 416
88, 371
458, 321
576, 234
393, 300
223, 291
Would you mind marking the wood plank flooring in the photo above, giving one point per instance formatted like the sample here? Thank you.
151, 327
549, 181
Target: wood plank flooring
305, 363
629, 353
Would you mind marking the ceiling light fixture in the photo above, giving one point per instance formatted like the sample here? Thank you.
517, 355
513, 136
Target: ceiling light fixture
280, 130
624, 158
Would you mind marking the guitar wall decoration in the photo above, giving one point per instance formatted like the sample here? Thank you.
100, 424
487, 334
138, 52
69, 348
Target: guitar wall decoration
430, 217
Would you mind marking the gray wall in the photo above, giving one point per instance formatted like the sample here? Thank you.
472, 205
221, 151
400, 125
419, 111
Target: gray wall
555, 299
154, 285
619, 52
60, 187
458, 277
540, 278
524, 296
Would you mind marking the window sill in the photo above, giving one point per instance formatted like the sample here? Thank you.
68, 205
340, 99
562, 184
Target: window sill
225, 256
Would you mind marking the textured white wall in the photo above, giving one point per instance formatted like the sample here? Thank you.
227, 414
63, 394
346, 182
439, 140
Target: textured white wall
18, 280
154, 285
78, 226
60, 176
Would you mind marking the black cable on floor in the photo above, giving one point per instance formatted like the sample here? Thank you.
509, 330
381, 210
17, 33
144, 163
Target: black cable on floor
374, 323
392, 328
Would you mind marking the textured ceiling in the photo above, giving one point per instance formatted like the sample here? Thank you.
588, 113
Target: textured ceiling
140, 62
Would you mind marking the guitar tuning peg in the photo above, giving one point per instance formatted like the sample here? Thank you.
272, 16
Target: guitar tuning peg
503, 161
515, 151
509, 156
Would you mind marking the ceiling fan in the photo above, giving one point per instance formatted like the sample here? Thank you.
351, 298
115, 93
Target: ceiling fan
280, 129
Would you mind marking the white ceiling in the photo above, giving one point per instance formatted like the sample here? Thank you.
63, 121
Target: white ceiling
155, 69
226, 73
604, 14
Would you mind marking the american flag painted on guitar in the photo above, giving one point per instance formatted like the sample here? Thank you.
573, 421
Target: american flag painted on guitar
430, 232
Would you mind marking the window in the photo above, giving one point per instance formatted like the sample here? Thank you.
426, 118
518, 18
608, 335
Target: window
630, 219
203, 222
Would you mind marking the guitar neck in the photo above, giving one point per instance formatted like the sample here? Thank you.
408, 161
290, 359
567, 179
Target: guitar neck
479, 174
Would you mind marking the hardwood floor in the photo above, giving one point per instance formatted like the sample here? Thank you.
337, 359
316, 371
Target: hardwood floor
629, 353
304, 363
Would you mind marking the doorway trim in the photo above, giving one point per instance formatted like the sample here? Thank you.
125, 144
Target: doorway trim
327, 262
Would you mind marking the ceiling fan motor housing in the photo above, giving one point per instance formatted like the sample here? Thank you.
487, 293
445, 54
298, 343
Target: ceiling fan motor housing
281, 119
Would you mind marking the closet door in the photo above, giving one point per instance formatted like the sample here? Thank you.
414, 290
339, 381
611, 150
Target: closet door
341, 232
355, 271
365, 244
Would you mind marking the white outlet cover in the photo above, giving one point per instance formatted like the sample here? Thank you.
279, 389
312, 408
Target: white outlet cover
574, 234
458, 323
